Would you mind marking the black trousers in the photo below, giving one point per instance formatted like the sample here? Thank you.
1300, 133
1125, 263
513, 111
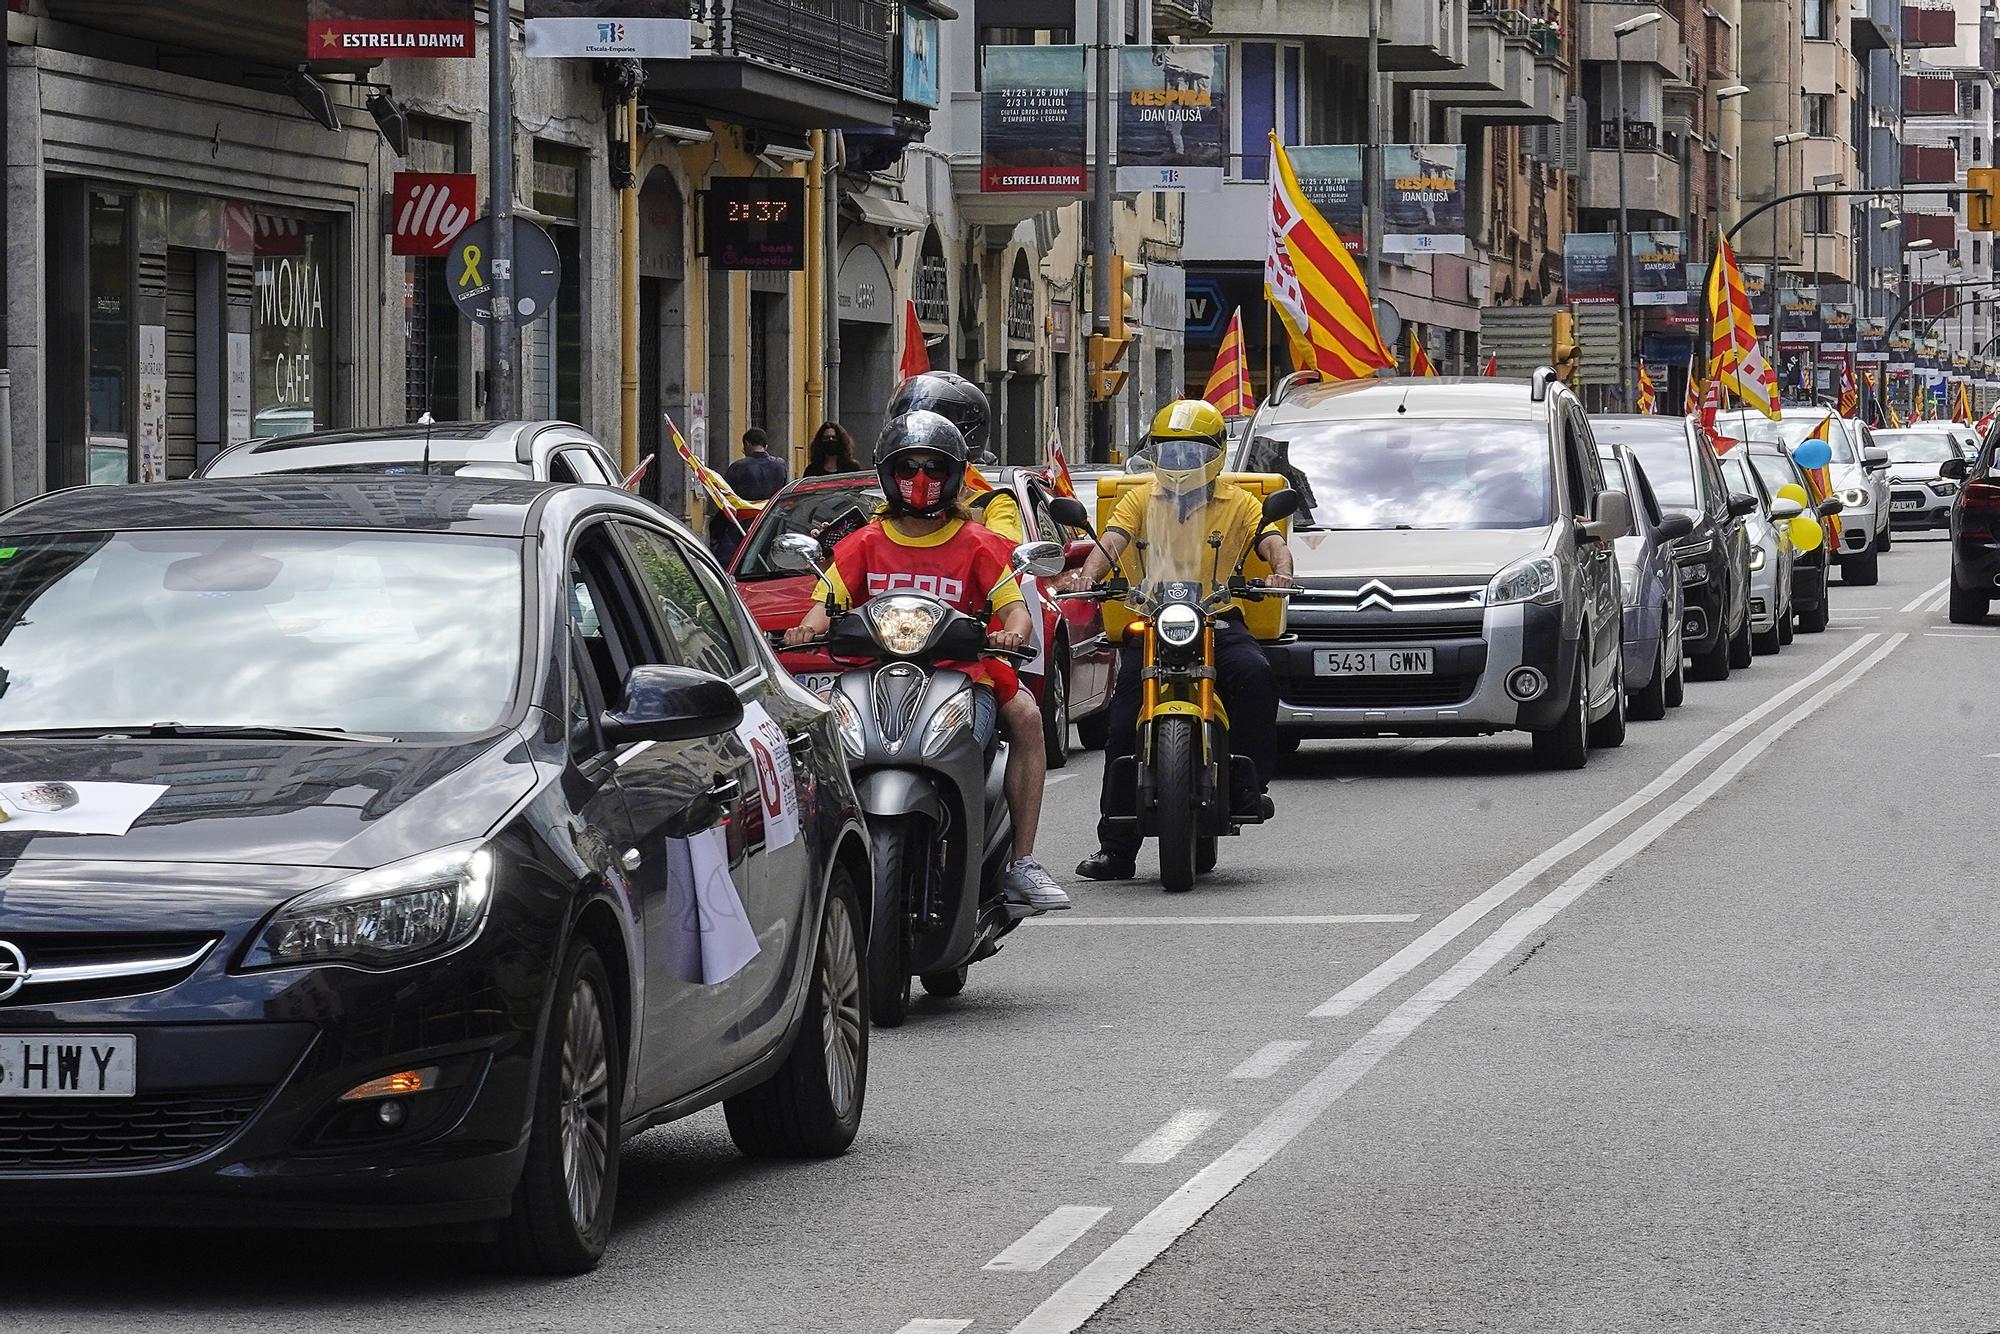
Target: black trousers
1249, 690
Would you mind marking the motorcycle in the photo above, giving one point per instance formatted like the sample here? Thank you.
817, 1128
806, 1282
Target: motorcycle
923, 745
1177, 784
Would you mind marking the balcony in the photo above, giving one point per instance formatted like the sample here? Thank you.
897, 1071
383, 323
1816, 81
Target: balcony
1929, 166
800, 64
1427, 36
1933, 23
1875, 25
1928, 95
1505, 79
1661, 44
1183, 18
1652, 179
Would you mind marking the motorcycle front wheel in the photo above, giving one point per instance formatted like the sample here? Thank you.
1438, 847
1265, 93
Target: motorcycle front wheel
901, 849
1176, 758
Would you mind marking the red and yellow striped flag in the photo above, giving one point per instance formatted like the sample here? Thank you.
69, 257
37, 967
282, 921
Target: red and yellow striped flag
1850, 393
1649, 393
1736, 357
1311, 279
1420, 360
1691, 398
1961, 404
1228, 385
719, 490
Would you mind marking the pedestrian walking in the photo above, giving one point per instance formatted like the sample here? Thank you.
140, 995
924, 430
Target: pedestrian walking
757, 475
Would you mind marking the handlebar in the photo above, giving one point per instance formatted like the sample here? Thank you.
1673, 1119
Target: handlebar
777, 641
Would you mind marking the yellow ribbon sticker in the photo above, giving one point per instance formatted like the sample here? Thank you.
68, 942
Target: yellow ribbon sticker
470, 277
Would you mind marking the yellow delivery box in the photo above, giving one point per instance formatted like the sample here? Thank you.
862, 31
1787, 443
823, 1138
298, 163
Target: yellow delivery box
1264, 619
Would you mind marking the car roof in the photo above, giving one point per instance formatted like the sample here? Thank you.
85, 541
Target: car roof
508, 441
1430, 396
295, 501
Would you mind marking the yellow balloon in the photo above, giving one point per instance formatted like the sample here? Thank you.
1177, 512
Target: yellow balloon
1792, 491
1807, 535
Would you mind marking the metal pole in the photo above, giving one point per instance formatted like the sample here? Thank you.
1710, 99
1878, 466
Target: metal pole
1371, 158
501, 331
1101, 239
628, 292
6, 437
819, 257
1624, 248
1771, 283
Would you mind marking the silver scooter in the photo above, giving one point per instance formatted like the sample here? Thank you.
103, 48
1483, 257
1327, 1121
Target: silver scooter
922, 743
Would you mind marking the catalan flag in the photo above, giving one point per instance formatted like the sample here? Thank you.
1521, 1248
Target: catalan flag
1961, 404
736, 507
1649, 393
1737, 360
1058, 469
1492, 365
1319, 294
1228, 385
1691, 399
1819, 484
1420, 360
1850, 393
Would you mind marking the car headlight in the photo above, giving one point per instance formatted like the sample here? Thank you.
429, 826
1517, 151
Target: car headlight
848, 719
1178, 625
1945, 488
1854, 498
955, 713
1532, 580
1757, 558
903, 625
392, 915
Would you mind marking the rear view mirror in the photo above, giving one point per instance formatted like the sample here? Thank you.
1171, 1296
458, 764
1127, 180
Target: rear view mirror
1675, 526
1742, 506
1279, 506
672, 704
1955, 469
1782, 510
1874, 460
1043, 560
1612, 518
1069, 511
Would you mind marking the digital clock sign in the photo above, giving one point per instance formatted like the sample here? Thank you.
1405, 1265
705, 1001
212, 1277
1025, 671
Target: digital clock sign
756, 222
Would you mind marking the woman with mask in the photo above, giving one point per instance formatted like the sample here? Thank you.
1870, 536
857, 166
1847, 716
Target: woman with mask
831, 451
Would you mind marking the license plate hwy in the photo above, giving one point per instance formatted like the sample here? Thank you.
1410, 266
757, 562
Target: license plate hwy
68, 1065
1373, 661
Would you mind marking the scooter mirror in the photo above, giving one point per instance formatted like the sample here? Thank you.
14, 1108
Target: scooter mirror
1043, 560
797, 553
1280, 505
1069, 511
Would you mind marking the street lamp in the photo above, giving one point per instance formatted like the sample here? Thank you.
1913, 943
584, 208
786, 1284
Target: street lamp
1778, 146
1732, 92
1618, 36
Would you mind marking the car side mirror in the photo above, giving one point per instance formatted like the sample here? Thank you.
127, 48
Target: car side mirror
1742, 506
1782, 510
1829, 507
1874, 460
1069, 512
1675, 526
1610, 520
1042, 560
1955, 469
1078, 552
672, 704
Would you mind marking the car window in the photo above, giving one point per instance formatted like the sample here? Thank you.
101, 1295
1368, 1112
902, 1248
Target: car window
1661, 446
699, 636
743, 630
604, 613
1743, 480
1776, 470
810, 511
1438, 472
1917, 446
561, 469
1576, 475
577, 465
1717, 485
1641, 487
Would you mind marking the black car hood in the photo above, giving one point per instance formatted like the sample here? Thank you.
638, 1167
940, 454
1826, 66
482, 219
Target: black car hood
276, 803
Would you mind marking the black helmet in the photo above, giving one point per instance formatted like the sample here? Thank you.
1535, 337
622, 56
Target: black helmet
951, 396
924, 494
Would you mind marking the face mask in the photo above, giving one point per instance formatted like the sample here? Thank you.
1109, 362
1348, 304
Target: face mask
921, 492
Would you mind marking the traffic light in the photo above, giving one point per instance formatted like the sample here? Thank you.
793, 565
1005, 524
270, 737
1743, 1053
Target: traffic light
1106, 351
1568, 352
1982, 199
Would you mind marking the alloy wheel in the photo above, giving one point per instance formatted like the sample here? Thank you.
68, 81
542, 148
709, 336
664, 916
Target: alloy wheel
840, 1005
586, 1105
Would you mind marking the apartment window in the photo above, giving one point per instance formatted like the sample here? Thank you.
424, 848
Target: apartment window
1978, 149
1819, 19
1270, 75
1819, 115
1819, 214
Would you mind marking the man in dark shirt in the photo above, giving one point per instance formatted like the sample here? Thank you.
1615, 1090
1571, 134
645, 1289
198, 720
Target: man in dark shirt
756, 476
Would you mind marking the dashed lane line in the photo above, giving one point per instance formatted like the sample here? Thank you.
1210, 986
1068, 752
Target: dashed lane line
1268, 1059
1047, 1239
1342, 919
1165, 1144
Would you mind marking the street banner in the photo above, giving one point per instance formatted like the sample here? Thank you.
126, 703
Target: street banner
1801, 325
1659, 269
1837, 328
1423, 199
1330, 178
1757, 286
1961, 367
1874, 343
1033, 118
1903, 353
1173, 117
427, 211
378, 29
609, 30
1590, 268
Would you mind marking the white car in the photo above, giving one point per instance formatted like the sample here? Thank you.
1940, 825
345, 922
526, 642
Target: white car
538, 451
1859, 474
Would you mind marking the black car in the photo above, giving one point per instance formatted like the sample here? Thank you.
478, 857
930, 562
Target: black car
386, 851
1715, 558
1975, 531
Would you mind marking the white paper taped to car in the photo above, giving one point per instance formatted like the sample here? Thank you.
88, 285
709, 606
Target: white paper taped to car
75, 808
728, 941
777, 782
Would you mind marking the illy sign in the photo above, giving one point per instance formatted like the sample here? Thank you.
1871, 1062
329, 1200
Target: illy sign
427, 210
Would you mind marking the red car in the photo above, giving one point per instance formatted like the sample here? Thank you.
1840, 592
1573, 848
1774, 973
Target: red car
1072, 632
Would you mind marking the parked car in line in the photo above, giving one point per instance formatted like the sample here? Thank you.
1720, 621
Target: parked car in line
1649, 578
1810, 569
1859, 472
1072, 630
1771, 552
1715, 557
1975, 533
408, 844
1920, 495
1454, 550
542, 451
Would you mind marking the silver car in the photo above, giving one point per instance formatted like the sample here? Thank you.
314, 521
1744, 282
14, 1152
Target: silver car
538, 451
1919, 498
1858, 472
1649, 577
1771, 553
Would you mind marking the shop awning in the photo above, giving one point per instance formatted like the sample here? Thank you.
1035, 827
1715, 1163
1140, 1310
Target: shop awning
879, 210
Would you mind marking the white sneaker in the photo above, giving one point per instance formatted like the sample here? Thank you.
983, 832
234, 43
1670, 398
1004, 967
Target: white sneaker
1026, 882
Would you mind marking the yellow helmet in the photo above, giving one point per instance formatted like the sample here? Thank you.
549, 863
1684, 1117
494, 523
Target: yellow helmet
1188, 441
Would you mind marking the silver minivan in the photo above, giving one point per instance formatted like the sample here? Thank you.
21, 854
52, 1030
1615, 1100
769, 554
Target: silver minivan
1456, 560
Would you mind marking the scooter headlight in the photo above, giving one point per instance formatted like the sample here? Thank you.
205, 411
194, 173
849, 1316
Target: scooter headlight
848, 719
956, 713
1178, 625
903, 625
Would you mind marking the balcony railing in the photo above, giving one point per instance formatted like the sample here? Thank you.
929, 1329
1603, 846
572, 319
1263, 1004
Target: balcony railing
843, 40
1928, 95
1640, 136
1930, 25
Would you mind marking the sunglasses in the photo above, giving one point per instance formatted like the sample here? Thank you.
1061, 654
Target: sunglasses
936, 469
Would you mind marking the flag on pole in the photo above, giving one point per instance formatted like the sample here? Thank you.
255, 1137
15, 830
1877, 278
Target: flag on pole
975, 481
1492, 364
1058, 469
1420, 360
1649, 393
916, 356
1691, 398
1311, 280
1961, 408
736, 507
1850, 393
1985, 424
1736, 356
1711, 407
638, 474
1228, 385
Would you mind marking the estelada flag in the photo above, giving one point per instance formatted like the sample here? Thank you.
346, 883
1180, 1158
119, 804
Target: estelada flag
1058, 470
1711, 405
1420, 360
713, 482
1228, 385
1492, 365
1819, 483
1735, 357
916, 356
1311, 280
1649, 393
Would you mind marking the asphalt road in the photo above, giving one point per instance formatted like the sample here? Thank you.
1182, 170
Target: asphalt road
1701, 1037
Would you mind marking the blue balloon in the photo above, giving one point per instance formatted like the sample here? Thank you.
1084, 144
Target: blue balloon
1813, 454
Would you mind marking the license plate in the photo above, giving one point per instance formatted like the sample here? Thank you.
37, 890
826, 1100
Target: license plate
1906, 504
67, 1065
1373, 661
817, 682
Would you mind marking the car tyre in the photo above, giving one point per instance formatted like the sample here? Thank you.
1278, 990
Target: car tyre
1649, 702
1566, 745
568, 1191
1967, 606
1888, 537
1608, 732
1813, 619
1742, 646
1713, 663
810, 1107
1677, 683
1055, 708
1767, 642
1092, 732
899, 847
1861, 571
1787, 619
1176, 760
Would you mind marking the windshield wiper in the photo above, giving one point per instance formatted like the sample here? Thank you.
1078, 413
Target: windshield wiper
244, 731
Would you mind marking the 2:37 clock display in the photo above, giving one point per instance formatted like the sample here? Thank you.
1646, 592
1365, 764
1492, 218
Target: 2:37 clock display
756, 222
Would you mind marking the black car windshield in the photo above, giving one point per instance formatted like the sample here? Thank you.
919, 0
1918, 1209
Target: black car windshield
1662, 448
810, 511
408, 635
1917, 446
1413, 473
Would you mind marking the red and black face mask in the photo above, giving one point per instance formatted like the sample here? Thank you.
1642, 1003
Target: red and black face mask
924, 488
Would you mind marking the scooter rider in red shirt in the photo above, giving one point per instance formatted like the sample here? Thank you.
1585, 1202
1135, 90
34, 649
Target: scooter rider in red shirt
926, 542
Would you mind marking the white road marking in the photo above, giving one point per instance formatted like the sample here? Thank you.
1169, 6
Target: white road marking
1102, 1279
1390, 971
1165, 1144
1948, 634
1349, 919
935, 1327
1054, 779
1047, 1239
1268, 1059
1852, 617
1920, 599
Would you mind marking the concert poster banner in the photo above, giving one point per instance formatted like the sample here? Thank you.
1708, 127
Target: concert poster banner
1423, 199
1659, 269
1033, 120
1173, 117
1874, 343
1330, 178
1838, 328
1590, 268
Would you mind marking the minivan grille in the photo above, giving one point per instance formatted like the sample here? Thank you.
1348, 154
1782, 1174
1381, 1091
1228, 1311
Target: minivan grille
150, 1130
1402, 630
